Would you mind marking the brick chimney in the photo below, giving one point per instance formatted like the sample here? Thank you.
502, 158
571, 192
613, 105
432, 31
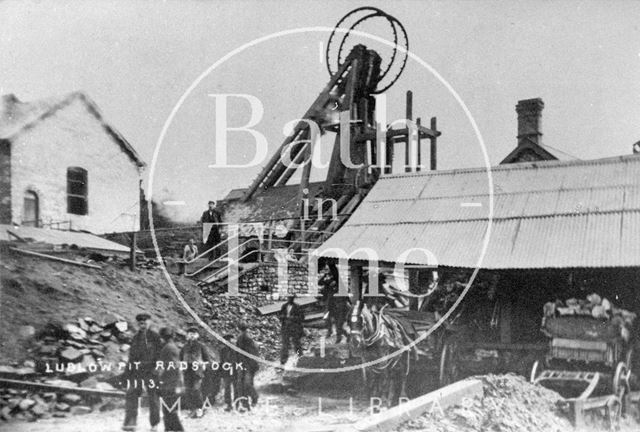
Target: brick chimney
529, 120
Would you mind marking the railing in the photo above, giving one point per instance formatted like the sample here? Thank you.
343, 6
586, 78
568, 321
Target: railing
225, 256
285, 243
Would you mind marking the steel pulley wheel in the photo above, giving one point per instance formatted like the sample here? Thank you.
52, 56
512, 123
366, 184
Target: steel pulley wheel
398, 59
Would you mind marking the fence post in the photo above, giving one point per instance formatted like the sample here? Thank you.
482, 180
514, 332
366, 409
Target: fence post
132, 252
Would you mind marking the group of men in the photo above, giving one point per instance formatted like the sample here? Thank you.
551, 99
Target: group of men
155, 367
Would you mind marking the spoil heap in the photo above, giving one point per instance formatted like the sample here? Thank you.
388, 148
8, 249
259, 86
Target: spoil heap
510, 404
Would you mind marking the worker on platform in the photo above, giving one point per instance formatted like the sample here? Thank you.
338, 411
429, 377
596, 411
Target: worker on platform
291, 319
189, 254
212, 216
246, 390
140, 374
195, 354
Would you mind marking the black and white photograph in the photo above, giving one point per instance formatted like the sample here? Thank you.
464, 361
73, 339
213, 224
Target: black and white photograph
319, 215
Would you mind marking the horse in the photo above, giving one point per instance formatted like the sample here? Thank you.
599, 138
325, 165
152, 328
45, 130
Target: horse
374, 335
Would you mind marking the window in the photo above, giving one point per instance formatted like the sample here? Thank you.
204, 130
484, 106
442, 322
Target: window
30, 209
77, 202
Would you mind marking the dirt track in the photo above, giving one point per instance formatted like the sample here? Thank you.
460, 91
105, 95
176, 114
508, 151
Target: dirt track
279, 413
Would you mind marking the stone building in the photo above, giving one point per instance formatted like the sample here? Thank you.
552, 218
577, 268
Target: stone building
63, 166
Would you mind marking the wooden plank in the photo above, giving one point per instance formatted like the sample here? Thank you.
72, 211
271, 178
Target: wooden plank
55, 258
436, 401
29, 385
275, 307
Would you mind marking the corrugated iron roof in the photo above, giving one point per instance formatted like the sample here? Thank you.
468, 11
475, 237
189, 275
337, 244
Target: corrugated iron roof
551, 214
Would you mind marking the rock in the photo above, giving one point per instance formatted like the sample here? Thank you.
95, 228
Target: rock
60, 414
26, 331
71, 354
13, 403
90, 382
80, 409
75, 331
40, 409
71, 398
121, 326
83, 324
73, 343
25, 404
49, 396
61, 406
105, 386
7, 369
108, 406
105, 334
29, 364
95, 328
5, 413
88, 360
124, 347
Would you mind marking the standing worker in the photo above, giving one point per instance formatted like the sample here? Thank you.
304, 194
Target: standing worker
291, 318
194, 353
228, 355
171, 382
211, 215
140, 374
246, 388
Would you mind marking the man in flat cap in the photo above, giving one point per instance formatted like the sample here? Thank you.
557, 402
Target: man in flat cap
212, 216
195, 354
141, 375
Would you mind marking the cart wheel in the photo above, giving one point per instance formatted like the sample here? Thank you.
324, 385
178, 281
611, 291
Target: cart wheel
447, 365
536, 370
621, 380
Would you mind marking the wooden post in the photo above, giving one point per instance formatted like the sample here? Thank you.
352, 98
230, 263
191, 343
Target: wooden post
434, 145
132, 251
505, 320
414, 275
407, 146
355, 281
419, 149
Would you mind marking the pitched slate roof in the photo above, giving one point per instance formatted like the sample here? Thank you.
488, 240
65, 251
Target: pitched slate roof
17, 116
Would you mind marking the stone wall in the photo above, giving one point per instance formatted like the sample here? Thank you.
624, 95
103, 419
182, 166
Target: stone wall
73, 137
262, 282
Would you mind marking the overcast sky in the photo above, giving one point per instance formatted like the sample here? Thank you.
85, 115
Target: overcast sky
137, 58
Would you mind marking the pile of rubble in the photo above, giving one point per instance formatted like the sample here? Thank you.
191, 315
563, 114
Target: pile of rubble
21, 404
510, 404
80, 346
83, 354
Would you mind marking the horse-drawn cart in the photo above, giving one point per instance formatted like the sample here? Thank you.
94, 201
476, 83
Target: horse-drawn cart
588, 362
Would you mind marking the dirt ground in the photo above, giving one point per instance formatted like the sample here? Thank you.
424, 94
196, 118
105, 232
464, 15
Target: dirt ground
274, 412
